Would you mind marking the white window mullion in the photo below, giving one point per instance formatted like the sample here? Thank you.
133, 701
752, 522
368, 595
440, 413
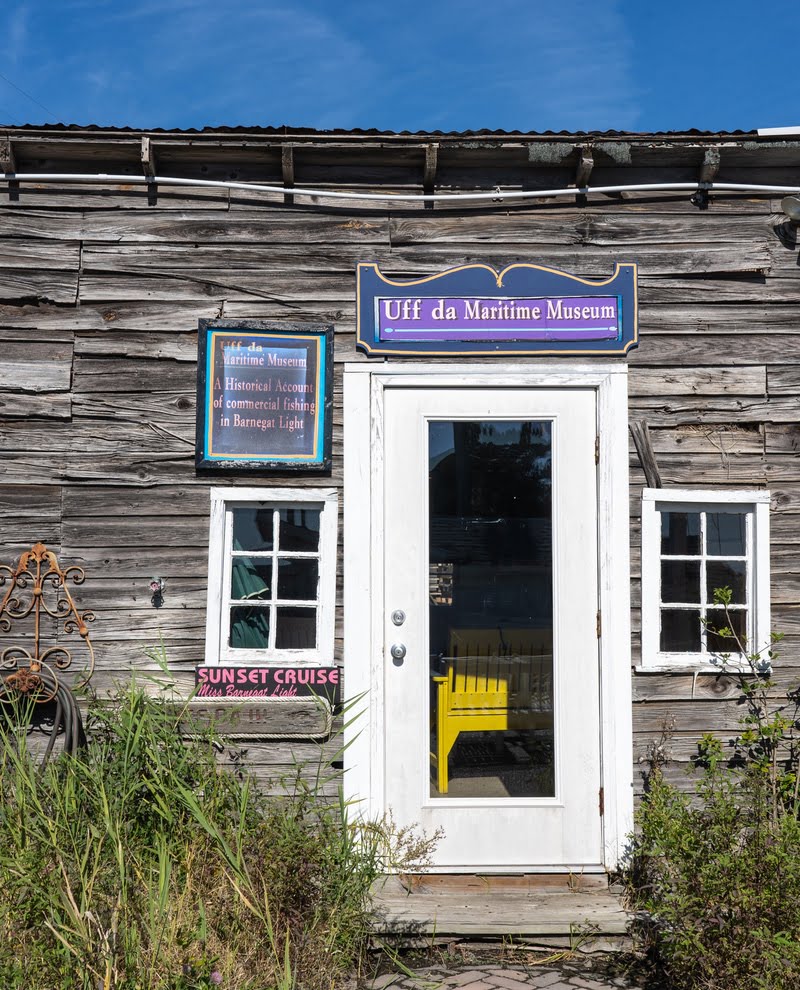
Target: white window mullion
273, 614
300, 502
227, 568
754, 506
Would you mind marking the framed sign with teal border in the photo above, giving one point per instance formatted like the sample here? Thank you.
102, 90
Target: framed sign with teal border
264, 396
475, 309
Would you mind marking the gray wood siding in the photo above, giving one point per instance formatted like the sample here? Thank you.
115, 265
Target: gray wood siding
101, 290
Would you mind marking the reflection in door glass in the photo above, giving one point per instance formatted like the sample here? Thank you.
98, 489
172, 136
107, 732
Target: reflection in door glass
491, 609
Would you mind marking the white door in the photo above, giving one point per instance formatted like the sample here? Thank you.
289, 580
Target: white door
491, 679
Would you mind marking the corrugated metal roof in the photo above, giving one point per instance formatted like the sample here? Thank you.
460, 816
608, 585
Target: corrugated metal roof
284, 131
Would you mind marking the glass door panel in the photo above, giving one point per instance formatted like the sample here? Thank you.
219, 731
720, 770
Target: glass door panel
491, 609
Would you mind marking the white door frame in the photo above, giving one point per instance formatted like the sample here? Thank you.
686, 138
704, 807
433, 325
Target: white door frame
364, 386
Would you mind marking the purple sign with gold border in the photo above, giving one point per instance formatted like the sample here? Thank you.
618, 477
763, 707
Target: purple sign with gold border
475, 309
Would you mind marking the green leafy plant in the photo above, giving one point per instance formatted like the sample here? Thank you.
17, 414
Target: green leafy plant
714, 873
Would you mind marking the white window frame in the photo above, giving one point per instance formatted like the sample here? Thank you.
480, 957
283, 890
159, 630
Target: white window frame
223, 501
756, 503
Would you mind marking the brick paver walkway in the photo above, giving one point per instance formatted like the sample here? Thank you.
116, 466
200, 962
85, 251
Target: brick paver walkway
573, 974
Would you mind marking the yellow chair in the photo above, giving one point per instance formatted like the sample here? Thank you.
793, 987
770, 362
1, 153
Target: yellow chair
492, 688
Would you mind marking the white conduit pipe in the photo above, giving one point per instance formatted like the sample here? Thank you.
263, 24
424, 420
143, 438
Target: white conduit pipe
496, 196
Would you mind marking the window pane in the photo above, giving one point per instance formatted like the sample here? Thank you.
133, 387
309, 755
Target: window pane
680, 533
491, 607
725, 534
727, 574
251, 578
296, 629
252, 529
299, 529
680, 630
249, 627
680, 581
298, 578
736, 621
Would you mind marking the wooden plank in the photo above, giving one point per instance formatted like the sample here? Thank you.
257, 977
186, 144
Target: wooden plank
122, 657
43, 405
783, 381
782, 438
193, 285
28, 514
698, 350
19, 533
785, 498
669, 411
698, 381
681, 686
137, 315
16, 335
31, 283
169, 407
609, 228
784, 529
158, 530
132, 375
94, 501
281, 753
269, 225
725, 468
746, 438
497, 912
682, 748
746, 287
146, 469
118, 343
35, 500
222, 257
692, 716
459, 883
147, 625
709, 316
61, 255
112, 198
106, 591
36, 367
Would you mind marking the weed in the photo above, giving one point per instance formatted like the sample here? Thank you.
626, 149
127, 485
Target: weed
142, 863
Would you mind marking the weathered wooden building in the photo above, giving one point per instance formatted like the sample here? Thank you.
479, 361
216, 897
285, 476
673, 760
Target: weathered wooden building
479, 532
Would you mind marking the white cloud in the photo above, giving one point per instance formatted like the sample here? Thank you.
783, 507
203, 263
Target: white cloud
15, 36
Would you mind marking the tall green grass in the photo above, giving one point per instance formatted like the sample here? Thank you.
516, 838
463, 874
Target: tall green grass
143, 864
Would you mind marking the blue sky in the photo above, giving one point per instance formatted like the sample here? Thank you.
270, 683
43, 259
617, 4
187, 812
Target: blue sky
440, 64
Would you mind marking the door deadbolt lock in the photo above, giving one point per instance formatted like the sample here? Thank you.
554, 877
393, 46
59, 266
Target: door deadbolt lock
398, 651
398, 617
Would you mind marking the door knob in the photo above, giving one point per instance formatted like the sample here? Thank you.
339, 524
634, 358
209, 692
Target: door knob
398, 651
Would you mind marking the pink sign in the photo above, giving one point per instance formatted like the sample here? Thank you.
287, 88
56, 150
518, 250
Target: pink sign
268, 682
